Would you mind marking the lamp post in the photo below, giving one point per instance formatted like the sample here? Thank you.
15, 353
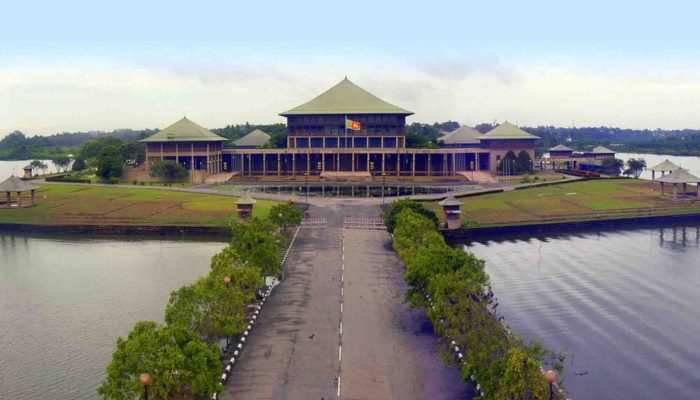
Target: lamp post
145, 380
306, 183
551, 377
383, 185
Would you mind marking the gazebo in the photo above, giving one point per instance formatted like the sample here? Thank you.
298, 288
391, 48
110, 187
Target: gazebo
15, 185
245, 207
666, 166
679, 177
450, 207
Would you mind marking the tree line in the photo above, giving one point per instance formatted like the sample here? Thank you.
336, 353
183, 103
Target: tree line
183, 355
454, 289
17, 146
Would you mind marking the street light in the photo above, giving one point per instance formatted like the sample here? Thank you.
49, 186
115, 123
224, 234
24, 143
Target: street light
145, 380
551, 377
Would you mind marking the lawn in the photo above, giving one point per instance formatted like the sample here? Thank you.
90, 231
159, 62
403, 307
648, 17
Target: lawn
578, 201
59, 204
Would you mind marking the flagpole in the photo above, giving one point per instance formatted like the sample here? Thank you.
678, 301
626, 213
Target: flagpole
346, 137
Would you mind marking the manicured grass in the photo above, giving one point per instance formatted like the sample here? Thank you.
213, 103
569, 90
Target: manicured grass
59, 204
578, 201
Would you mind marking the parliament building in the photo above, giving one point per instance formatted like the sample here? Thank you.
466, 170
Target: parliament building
344, 133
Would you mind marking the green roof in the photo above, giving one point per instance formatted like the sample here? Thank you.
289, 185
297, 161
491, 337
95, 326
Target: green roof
561, 147
346, 98
255, 138
246, 200
666, 165
602, 150
14, 184
462, 135
450, 201
184, 130
679, 176
507, 131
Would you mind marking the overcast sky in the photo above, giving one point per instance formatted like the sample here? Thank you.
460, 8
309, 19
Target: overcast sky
69, 66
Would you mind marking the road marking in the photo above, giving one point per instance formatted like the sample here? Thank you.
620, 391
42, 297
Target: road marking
341, 307
338, 386
340, 353
341, 291
341, 278
341, 327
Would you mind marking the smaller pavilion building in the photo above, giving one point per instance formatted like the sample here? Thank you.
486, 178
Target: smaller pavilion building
196, 148
560, 151
664, 167
679, 177
252, 140
15, 185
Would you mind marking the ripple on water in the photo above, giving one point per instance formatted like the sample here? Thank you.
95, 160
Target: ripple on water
624, 303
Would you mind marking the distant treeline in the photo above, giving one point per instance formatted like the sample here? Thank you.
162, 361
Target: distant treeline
17, 146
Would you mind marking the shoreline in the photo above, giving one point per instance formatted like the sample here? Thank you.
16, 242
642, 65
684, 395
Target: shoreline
146, 230
559, 227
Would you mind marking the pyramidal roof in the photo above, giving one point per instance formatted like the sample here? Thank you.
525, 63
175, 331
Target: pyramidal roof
450, 201
462, 135
14, 184
602, 150
246, 200
255, 138
346, 98
666, 165
561, 147
507, 131
679, 176
184, 130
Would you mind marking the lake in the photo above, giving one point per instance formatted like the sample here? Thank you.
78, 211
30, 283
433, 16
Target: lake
692, 164
625, 303
64, 300
8, 168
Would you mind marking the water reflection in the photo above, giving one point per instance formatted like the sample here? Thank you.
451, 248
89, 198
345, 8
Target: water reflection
65, 299
347, 190
624, 302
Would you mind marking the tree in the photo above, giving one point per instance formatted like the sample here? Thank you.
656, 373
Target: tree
110, 162
61, 162
507, 163
175, 358
522, 378
169, 170
635, 166
134, 153
523, 163
285, 214
209, 307
79, 165
390, 219
611, 166
38, 165
258, 243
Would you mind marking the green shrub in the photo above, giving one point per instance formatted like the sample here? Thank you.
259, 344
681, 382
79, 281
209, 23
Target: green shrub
113, 180
396, 207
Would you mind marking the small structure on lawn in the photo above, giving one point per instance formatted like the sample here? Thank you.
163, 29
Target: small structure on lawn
450, 206
15, 185
245, 207
28, 172
679, 177
599, 152
666, 166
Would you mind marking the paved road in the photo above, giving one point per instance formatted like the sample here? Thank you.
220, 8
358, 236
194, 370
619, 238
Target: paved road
385, 350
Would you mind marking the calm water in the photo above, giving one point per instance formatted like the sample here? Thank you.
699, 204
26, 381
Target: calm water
8, 168
625, 303
64, 301
690, 163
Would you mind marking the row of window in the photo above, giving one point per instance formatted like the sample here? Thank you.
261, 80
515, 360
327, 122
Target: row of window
350, 142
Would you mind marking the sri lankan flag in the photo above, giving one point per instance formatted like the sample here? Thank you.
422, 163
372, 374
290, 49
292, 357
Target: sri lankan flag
352, 125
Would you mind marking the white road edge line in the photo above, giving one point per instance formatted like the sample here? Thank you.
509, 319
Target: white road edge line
341, 307
338, 386
340, 353
341, 327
